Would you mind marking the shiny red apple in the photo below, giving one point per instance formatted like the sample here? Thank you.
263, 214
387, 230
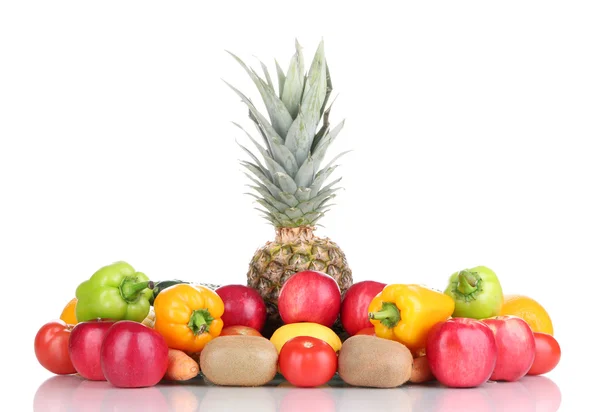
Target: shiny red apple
133, 355
516, 347
85, 343
354, 312
310, 296
461, 352
243, 306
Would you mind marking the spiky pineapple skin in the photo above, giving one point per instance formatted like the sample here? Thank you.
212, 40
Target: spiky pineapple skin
277, 260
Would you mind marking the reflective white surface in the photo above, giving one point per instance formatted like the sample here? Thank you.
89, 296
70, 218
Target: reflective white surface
71, 393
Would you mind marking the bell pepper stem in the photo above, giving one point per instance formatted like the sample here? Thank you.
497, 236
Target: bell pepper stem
200, 321
467, 282
130, 290
389, 315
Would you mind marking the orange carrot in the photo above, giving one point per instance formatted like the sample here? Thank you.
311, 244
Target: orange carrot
420, 371
181, 366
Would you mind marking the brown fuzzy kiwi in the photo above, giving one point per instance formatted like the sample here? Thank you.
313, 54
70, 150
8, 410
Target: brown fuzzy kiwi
374, 362
239, 360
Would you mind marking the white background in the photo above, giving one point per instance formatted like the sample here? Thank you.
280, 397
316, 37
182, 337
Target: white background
473, 127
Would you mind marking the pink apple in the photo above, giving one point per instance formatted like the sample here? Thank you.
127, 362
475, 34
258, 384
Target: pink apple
243, 306
516, 347
461, 352
354, 312
85, 343
310, 296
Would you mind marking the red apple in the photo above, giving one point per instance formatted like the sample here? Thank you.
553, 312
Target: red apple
516, 347
85, 343
133, 355
461, 352
354, 312
310, 296
243, 306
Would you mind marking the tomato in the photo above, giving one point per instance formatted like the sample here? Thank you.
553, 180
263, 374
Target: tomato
239, 330
367, 331
52, 347
306, 361
547, 354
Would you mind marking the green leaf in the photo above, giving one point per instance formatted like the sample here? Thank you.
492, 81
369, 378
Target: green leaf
278, 112
280, 78
294, 83
305, 174
273, 166
315, 202
294, 213
315, 91
269, 216
267, 76
329, 186
313, 217
336, 158
264, 192
285, 182
320, 178
284, 157
329, 88
288, 198
267, 205
324, 144
299, 139
258, 118
261, 176
302, 194
284, 220
324, 128
271, 219
256, 161
311, 116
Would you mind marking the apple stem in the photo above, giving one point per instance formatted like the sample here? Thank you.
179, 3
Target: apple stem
467, 282
389, 315
130, 290
200, 321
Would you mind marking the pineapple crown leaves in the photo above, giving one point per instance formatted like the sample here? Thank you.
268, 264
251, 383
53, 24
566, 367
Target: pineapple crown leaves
296, 135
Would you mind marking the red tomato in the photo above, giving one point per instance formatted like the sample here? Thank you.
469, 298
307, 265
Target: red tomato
547, 354
52, 347
367, 331
239, 330
306, 361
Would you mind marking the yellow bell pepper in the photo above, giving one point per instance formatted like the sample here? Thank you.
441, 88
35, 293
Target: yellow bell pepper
406, 313
188, 316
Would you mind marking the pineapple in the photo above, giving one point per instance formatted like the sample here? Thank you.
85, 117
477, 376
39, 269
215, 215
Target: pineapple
290, 185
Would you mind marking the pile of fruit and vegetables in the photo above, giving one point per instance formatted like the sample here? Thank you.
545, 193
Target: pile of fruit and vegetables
299, 312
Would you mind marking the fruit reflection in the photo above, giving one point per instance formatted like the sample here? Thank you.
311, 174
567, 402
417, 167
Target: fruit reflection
545, 393
147, 399
68, 393
308, 399
529, 394
229, 399
510, 396
367, 399
55, 394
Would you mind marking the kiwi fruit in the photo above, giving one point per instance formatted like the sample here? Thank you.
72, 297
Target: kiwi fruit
239, 360
373, 362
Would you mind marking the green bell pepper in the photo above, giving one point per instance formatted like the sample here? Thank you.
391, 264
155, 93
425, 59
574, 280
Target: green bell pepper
115, 292
476, 292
